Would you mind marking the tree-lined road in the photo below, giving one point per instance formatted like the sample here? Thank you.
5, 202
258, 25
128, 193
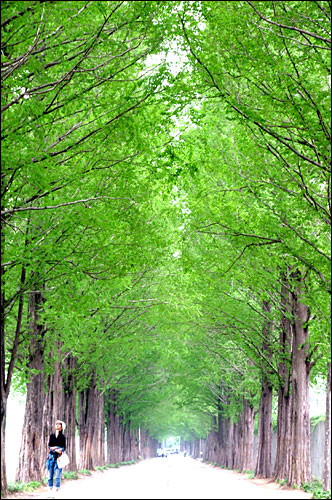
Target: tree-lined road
172, 477
166, 240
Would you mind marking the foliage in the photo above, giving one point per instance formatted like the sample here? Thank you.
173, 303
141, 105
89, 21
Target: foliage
316, 419
157, 207
100, 467
316, 488
17, 487
69, 474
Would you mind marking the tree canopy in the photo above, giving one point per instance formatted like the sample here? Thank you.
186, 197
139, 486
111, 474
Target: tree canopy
165, 173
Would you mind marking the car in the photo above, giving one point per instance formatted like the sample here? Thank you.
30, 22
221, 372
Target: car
161, 452
172, 451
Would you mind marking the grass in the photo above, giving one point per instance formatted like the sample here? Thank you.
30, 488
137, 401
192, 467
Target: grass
250, 473
17, 487
69, 474
282, 482
85, 472
102, 468
316, 488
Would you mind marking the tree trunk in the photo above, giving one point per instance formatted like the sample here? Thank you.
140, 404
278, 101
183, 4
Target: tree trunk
114, 431
126, 448
69, 413
148, 445
31, 463
53, 408
264, 447
6, 378
4, 393
87, 424
248, 424
327, 446
134, 444
98, 450
300, 457
229, 446
237, 445
282, 460
221, 438
4, 485
212, 444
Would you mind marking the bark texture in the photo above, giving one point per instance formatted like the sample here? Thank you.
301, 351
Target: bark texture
4, 394
31, 465
282, 460
247, 445
229, 444
264, 447
300, 457
114, 431
327, 446
53, 408
89, 414
6, 375
69, 410
148, 445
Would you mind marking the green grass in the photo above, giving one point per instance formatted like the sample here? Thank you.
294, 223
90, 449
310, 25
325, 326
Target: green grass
316, 488
69, 474
13, 487
282, 482
85, 472
100, 467
250, 473
18, 487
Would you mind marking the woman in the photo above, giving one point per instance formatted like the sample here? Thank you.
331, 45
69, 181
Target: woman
56, 444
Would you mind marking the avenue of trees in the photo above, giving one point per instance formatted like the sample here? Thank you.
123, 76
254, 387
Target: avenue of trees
165, 228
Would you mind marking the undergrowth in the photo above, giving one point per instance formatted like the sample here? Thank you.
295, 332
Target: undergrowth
17, 487
69, 474
85, 472
316, 488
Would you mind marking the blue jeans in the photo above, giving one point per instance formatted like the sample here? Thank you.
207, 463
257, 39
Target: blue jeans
57, 475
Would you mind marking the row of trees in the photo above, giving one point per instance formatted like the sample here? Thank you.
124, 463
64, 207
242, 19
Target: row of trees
165, 227
260, 197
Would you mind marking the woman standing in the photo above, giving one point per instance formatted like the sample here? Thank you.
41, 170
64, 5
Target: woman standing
56, 444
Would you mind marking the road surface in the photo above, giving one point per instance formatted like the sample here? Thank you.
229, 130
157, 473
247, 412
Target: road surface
175, 477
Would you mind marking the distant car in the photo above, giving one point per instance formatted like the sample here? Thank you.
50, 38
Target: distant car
161, 452
172, 451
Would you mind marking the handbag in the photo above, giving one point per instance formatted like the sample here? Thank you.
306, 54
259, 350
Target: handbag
63, 460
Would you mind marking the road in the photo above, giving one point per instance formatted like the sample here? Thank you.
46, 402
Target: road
167, 478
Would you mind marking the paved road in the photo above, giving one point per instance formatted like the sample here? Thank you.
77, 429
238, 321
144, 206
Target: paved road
170, 478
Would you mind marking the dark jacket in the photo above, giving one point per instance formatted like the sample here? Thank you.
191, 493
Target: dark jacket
60, 442
57, 441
